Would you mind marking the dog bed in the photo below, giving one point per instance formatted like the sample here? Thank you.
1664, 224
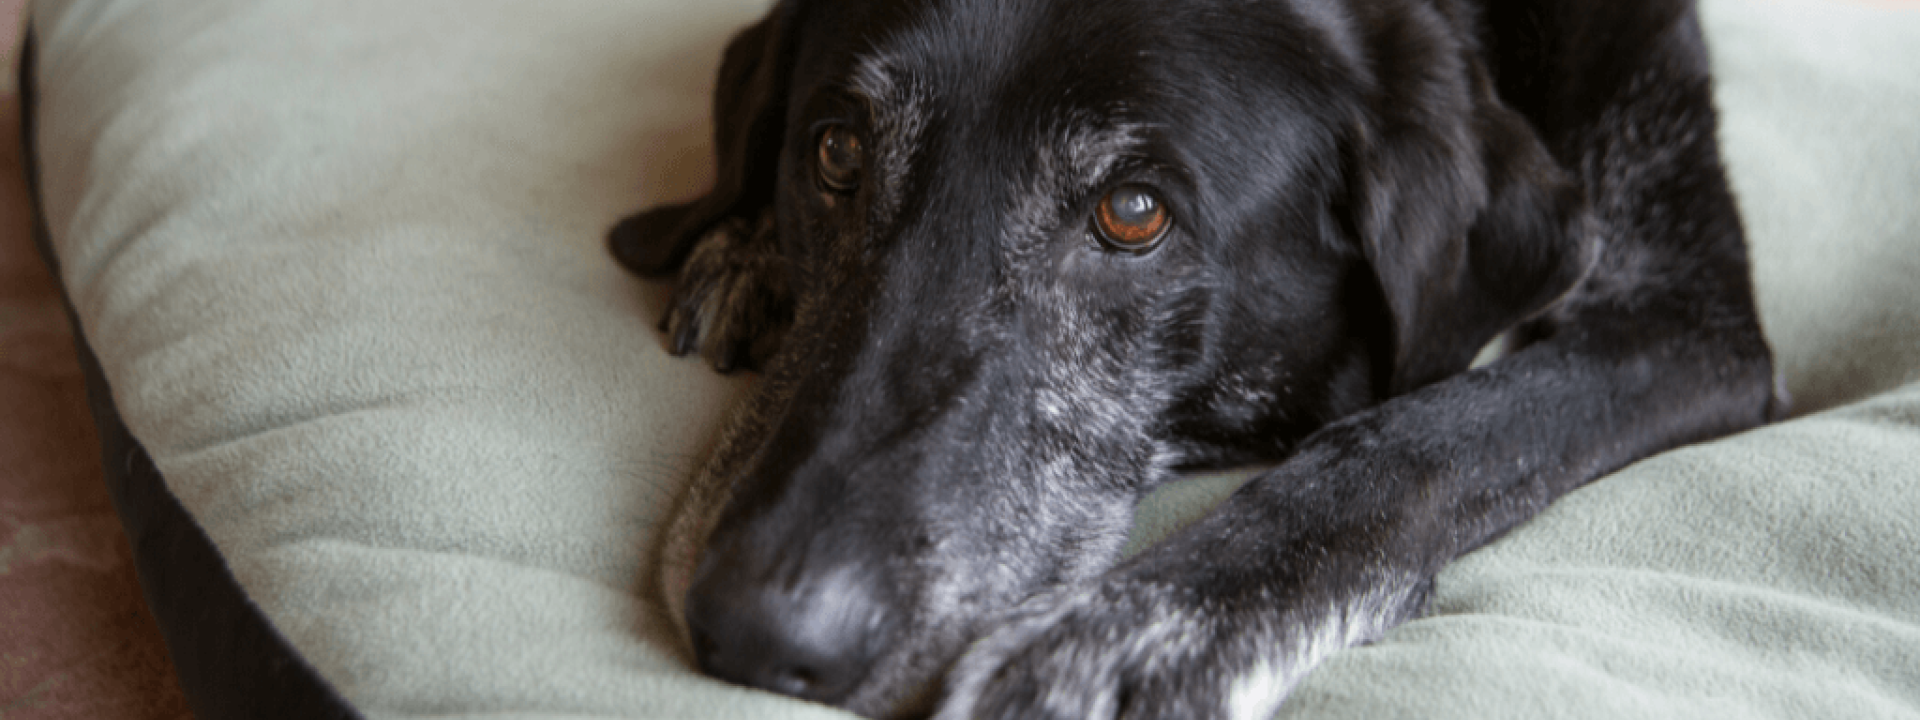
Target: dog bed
393, 436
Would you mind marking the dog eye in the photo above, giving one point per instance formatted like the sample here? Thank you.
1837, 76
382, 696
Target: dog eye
1132, 218
839, 161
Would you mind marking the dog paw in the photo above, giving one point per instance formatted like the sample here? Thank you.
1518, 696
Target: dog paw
1119, 650
733, 304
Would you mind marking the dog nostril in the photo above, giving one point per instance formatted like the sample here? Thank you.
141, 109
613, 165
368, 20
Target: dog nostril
769, 659
816, 644
798, 682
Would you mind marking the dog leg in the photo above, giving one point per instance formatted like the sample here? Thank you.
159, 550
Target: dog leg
1341, 543
732, 303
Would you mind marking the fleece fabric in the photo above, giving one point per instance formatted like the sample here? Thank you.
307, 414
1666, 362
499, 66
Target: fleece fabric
342, 265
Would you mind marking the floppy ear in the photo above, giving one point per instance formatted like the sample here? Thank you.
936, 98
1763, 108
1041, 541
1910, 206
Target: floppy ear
1470, 225
749, 114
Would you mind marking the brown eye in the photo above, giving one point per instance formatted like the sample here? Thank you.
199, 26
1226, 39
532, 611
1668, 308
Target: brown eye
839, 162
1132, 218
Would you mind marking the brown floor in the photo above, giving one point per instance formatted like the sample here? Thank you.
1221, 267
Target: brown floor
76, 640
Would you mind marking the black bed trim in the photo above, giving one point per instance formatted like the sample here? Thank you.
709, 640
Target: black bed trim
230, 660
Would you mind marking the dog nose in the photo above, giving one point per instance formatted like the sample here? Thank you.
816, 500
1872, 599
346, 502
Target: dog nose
813, 640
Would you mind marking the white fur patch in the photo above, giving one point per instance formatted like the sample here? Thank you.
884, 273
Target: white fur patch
1258, 693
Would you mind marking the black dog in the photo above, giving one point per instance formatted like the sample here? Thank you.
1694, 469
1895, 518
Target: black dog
1023, 260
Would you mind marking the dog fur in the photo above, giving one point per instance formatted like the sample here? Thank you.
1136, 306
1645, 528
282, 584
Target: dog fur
966, 389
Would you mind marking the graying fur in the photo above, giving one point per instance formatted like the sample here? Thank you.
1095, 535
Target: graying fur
976, 386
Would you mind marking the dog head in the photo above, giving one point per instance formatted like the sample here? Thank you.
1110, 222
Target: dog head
1046, 253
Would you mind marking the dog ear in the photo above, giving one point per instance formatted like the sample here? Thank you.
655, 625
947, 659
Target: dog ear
1470, 225
749, 114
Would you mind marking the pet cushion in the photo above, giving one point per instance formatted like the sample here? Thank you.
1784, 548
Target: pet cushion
341, 265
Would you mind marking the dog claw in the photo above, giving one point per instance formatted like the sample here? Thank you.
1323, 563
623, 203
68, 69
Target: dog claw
685, 333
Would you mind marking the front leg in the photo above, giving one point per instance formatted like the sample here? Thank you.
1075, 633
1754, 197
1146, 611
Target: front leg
1172, 638
1220, 621
1342, 542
